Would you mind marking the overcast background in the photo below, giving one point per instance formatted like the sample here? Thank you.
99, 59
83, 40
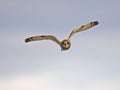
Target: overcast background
93, 61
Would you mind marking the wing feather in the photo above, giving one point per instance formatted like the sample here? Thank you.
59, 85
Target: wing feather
83, 27
42, 37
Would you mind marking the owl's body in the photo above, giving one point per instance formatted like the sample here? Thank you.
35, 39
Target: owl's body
64, 44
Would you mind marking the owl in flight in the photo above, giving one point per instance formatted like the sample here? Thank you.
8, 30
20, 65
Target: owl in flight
64, 44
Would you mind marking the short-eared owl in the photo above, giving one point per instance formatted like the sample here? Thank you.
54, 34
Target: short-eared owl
65, 44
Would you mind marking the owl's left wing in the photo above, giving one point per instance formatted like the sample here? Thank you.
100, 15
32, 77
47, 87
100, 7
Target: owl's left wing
83, 27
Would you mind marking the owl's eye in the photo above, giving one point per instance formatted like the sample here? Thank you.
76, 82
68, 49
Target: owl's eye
63, 43
68, 43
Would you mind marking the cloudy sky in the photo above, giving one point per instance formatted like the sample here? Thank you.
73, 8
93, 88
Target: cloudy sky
93, 61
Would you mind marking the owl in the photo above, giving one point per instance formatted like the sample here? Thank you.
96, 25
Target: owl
66, 43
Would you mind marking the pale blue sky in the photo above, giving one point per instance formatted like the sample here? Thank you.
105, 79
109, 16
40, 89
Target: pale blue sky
93, 61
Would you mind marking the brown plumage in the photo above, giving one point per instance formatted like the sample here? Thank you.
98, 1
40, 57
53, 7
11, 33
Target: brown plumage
64, 44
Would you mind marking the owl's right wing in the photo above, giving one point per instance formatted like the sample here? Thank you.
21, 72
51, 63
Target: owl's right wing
42, 37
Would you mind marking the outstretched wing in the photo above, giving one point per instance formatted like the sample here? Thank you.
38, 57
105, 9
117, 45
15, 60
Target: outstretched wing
83, 27
42, 37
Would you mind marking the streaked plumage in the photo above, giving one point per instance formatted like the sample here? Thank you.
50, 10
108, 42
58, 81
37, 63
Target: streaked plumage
65, 44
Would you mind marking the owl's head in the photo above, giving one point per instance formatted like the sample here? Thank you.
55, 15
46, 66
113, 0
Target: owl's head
65, 44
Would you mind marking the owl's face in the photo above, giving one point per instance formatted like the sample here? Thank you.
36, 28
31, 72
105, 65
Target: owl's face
65, 44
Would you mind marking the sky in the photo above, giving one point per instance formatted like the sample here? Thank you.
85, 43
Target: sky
92, 62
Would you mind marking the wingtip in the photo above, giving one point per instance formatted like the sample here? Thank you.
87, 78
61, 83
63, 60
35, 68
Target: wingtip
27, 40
96, 22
